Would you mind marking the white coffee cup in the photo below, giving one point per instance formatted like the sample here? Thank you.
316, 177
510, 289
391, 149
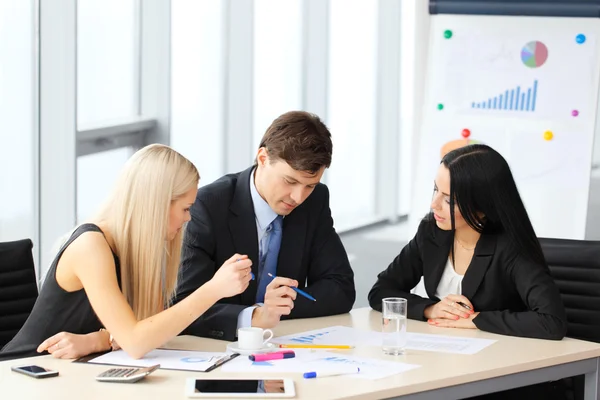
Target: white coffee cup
253, 338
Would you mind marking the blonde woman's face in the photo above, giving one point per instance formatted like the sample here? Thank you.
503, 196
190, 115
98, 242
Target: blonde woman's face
180, 213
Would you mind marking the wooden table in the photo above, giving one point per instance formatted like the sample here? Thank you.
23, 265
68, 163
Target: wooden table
508, 363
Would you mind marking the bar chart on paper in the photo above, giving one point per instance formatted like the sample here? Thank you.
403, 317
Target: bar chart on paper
514, 99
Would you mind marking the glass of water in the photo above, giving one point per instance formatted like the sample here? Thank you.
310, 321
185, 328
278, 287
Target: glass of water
393, 325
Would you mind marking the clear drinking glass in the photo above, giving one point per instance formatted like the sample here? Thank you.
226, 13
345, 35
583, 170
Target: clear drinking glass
393, 325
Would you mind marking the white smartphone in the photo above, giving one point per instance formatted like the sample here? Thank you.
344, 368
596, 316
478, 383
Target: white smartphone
35, 371
267, 388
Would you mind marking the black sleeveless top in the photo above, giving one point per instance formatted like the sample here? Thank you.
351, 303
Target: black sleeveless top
57, 310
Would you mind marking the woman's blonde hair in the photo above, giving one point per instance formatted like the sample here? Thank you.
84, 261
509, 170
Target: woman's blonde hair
137, 216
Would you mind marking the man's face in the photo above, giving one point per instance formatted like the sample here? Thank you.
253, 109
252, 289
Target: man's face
281, 186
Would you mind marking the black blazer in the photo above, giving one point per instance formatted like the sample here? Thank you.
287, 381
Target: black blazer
223, 223
514, 296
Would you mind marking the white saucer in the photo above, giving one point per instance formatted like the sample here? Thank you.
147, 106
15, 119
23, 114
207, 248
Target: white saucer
268, 348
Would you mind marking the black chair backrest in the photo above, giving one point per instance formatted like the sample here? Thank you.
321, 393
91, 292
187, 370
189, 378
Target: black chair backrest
18, 287
575, 266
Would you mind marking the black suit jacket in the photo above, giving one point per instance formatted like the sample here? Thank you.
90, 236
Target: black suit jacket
223, 223
514, 296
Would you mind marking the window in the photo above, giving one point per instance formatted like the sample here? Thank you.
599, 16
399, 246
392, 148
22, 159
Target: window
107, 60
97, 174
197, 84
406, 115
277, 62
107, 89
17, 112
351, 110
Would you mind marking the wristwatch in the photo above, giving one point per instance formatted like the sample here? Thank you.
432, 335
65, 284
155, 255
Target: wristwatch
111, 340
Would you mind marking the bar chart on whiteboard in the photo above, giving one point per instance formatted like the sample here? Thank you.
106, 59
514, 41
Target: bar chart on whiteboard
514, 99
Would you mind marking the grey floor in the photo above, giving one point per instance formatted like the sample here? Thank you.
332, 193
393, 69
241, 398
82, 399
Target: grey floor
370, 251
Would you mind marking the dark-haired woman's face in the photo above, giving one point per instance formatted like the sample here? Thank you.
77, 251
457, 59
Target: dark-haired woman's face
440, 203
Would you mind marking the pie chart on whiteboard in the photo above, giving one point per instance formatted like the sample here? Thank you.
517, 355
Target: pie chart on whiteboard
534, 54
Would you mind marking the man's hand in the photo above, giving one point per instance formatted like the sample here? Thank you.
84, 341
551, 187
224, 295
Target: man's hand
279, 296
279, 300
263, 317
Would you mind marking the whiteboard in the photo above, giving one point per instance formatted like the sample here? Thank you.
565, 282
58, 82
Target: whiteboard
526, 86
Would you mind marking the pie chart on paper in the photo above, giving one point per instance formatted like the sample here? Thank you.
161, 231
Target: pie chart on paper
534, 54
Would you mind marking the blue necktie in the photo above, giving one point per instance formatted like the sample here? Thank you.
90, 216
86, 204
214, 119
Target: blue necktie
269, 266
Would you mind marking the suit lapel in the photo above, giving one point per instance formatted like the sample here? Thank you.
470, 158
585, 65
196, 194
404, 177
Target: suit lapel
435, 256
292, 244
242, 227
482, 258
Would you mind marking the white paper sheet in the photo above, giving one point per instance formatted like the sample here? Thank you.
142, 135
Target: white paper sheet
446, 344
168, 359
341, 335
344, 335
311, 361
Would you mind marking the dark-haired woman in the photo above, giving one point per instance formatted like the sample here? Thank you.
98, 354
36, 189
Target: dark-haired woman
480, 259
478, 254
482, 264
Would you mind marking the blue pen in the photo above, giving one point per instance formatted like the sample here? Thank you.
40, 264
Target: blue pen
322, 374
251, 273
299, 291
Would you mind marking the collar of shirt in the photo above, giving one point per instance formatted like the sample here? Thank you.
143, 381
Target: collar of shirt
263, 212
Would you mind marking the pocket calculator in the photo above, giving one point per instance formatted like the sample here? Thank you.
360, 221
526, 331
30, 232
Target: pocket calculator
126, 375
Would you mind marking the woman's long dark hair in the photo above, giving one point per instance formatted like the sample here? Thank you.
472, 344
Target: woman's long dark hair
483, 188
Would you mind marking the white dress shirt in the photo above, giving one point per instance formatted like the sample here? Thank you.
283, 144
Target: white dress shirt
450, 283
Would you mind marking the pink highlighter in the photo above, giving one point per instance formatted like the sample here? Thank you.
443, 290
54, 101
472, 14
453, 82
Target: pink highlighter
276, 355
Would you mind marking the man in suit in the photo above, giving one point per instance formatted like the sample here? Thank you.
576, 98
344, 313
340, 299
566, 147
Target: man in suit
277, 214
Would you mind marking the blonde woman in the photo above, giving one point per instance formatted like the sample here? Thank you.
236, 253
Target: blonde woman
120, 271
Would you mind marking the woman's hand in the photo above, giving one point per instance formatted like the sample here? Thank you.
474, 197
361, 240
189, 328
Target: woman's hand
69, 345
450, 308
464, 323
233, 277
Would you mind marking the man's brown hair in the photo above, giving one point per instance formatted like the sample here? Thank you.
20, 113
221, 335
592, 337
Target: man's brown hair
300, 139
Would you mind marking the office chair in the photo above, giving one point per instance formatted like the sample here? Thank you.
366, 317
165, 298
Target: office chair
18, 287
575, 266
